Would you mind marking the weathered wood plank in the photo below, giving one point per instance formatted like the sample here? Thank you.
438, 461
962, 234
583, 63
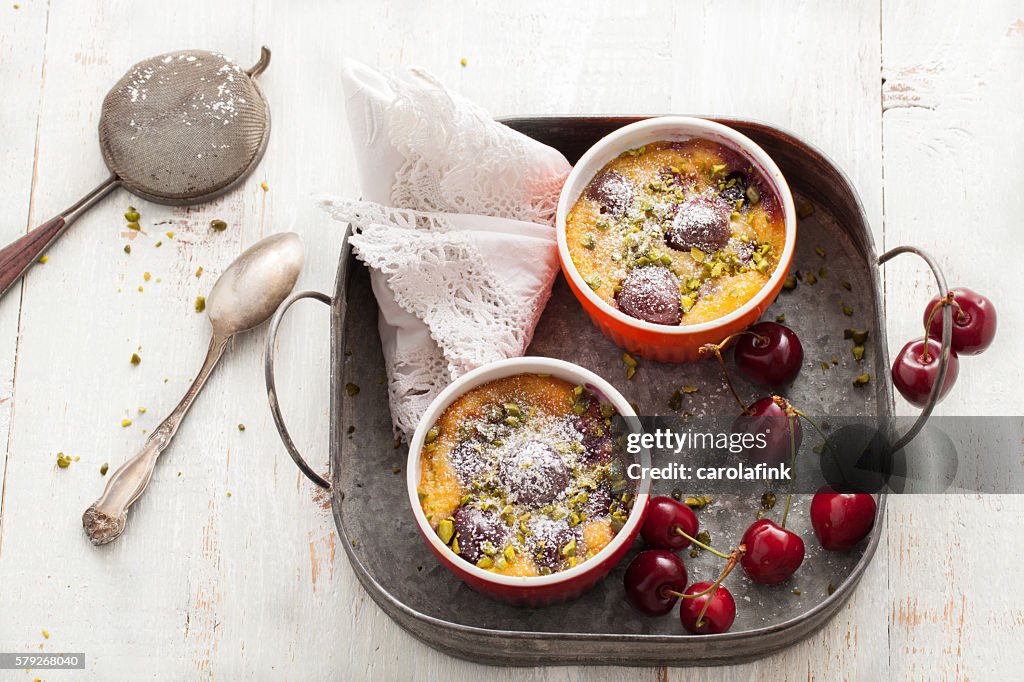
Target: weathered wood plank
22, 73
952, 131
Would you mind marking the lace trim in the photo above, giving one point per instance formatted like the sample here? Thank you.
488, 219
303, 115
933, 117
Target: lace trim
460, 160
438, 275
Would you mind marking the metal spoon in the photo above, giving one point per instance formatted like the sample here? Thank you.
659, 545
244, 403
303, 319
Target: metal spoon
247, 294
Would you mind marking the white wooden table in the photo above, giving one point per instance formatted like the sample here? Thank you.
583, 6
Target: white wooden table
920, 102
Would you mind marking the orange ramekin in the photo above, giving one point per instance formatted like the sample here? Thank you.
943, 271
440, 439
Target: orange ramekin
667, 343
539, 590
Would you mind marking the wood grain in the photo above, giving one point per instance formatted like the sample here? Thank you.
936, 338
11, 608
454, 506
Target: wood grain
952, 148
253, 585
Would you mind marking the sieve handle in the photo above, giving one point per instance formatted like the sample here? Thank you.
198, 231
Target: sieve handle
17, 257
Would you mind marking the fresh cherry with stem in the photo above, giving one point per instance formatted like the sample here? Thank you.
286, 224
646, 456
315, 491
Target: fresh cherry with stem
769, 354
710, 613
773, 418
664, 517
774, 553
770, 415
654, 580
974, 320
708, 607
916, 368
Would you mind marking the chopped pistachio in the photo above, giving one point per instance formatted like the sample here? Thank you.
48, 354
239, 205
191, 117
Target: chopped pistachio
43, 259
847, 285
146, 276
170, 235
698, 502
820, 251
46, 634
135, 359
446, 531
200, 304
142, 410
797, 591
811, 278
858, 353
199, 271
158, 245
697, 254
510, 553
351, 389
805, 209
463, 62
63, 461
847, 310
630, 372
218, 225
241, 427
264, 186
862, 380
132, 216
128, 249
753, 194
485, 562
690, 389
432, 433
629, 360
104, 468
780, 318
789, 283
455, 545
125, 423
134, 226
588, 241
570, 548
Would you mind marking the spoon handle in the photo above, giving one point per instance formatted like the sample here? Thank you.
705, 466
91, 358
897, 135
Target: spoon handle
105, 519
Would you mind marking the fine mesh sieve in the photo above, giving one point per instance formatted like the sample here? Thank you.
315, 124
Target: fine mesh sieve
179, 128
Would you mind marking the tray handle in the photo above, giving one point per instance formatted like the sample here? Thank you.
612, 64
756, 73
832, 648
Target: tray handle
947, 336
268, 369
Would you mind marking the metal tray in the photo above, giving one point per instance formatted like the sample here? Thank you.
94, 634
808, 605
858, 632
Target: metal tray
393, 563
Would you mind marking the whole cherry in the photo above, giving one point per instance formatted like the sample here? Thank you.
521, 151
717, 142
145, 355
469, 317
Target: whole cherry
654, 580
773, 552
773, 423
841, 519
664, 520
717, 604
769, 354
974, 321
916, 369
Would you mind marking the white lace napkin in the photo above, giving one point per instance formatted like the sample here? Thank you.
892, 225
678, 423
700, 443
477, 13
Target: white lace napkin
457, 230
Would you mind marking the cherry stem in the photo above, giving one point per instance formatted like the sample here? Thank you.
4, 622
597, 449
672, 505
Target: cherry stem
734, 559
792, 466
700, 544
824, 440
948, 299
717, 350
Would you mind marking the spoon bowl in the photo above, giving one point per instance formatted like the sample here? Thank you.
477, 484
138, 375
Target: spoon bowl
253, 287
